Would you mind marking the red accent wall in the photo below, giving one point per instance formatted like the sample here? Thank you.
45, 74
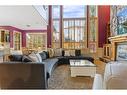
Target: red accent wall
103, 19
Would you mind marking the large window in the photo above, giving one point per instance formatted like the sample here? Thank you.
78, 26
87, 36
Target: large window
74, 30
56, 27
74, 33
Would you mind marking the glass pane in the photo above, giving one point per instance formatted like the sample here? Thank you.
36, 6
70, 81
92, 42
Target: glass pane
56, 11
93, 26
74, 11
56, 26
92, 11
74, 27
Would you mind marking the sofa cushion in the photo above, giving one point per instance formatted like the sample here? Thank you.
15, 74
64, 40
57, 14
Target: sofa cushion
58, 52
50, 64
43, 55
63, 52
47, 54
26, 59
67, 53
39, 57
72, 52
77, 52
16, 58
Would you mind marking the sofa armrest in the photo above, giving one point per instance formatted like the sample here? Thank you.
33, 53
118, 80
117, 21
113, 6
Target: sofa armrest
98, 82
18, 75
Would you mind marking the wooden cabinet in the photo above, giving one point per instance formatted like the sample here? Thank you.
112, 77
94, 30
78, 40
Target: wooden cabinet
107, 51
108, 34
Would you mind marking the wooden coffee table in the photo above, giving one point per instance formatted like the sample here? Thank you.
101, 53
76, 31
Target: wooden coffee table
82, 68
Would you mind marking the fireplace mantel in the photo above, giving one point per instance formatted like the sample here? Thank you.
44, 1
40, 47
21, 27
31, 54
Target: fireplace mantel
114, 40
119, 38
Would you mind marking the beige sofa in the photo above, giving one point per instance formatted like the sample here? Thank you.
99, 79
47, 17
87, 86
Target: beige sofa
115, 77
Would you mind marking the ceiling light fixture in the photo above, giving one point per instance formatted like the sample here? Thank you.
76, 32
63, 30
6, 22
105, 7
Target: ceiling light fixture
28, 25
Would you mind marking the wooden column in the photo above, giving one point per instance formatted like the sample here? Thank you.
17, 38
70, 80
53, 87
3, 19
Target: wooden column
49, 28
61, 25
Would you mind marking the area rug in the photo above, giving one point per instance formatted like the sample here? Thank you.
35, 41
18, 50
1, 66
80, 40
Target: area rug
61, 79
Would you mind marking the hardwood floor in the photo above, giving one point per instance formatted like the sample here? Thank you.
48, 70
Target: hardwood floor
100, 67
61, 78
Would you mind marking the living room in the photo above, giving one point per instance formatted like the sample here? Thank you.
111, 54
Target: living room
63, 47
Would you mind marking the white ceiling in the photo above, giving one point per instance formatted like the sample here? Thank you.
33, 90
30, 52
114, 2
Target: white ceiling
22, 17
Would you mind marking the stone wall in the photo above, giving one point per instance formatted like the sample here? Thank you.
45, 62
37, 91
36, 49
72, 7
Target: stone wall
113, 18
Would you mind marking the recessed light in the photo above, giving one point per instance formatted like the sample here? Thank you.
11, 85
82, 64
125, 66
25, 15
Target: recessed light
37, 22
28, 25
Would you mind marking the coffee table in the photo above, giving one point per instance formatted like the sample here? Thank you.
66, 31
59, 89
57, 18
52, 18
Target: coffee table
82, 68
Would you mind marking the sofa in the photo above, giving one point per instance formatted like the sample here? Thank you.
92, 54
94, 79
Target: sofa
115, 76
22, 76
40, 67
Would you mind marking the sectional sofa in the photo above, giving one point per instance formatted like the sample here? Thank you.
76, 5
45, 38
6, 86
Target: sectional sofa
40, 67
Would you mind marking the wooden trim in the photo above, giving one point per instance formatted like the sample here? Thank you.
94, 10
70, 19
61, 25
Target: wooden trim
114, 40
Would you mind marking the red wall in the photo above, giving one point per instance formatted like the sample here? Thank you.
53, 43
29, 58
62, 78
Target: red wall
103, 19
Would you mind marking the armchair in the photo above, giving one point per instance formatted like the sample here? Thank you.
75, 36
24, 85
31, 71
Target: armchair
115, 76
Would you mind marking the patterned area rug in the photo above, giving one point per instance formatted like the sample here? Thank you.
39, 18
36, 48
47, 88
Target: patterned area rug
61, 79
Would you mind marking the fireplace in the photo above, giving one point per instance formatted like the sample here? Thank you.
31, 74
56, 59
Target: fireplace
118, 47
121, 51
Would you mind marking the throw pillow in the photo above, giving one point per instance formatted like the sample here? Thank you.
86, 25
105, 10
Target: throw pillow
51, 52
43, 55
39, 57
58, 52
15, 57
34, 57
47, 54
67, 53
63, 52
26, 59
72, 52
77, 52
